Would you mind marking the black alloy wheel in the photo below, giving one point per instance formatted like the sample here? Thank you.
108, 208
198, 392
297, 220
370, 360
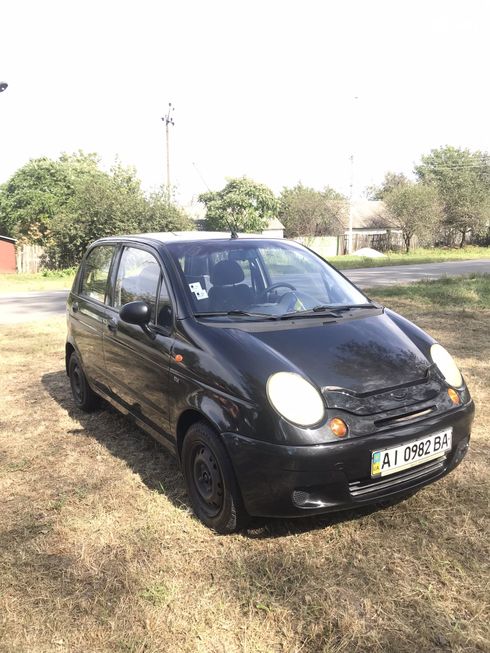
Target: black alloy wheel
85, 398
210, 480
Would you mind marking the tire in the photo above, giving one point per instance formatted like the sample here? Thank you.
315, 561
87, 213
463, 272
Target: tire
211, 482
83, 395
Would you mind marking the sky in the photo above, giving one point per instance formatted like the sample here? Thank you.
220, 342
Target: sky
281, 91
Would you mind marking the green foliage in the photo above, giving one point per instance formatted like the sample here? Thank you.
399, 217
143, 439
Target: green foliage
415, 209
307, 212
32, 197
242, 205
462, 179
65, 204
391, 182
60, 273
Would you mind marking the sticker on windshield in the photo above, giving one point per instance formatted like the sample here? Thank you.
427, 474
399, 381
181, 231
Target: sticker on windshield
198, 290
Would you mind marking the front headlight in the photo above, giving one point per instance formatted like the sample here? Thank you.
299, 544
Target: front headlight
295, 398
445, 362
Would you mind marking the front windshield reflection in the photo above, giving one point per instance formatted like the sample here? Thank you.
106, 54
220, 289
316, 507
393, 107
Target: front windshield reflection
255, 278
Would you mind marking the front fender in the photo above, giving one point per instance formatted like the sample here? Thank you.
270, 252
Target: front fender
224, 411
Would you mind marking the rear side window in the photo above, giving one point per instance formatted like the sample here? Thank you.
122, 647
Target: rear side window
137, 279
96, 272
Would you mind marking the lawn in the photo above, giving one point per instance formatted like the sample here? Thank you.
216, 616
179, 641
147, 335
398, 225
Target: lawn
39, 281
100, 552
417, 256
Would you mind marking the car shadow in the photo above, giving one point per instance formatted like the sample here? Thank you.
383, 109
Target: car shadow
157, 468
160, 471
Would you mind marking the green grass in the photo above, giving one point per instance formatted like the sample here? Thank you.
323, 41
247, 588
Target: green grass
421, 255
471, 292
39, 281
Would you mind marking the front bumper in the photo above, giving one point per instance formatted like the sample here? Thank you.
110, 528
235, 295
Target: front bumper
287, 481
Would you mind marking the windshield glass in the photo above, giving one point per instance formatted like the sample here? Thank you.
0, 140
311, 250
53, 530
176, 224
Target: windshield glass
259, 277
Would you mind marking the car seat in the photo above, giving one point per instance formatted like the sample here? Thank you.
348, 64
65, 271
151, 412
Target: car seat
228, 292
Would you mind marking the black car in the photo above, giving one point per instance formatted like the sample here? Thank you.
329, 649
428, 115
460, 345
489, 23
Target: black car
281, 388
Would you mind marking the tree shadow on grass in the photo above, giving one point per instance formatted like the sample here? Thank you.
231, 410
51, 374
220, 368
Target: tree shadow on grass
160, 471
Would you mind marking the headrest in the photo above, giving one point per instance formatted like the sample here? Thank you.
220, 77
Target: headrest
226, 273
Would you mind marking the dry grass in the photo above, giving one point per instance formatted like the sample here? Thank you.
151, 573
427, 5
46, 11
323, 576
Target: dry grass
100, 552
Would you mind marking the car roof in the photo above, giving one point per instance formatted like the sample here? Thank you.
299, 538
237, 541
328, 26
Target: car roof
183, 236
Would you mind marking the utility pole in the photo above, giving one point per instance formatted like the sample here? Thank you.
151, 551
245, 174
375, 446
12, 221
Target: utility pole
351, 194
351, 205
168, 120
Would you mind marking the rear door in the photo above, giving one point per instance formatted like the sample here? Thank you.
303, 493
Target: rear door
138, 365
88, 309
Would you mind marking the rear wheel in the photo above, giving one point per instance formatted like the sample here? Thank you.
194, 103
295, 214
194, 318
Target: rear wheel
211, 482
85, 398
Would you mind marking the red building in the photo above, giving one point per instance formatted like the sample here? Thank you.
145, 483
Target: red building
7, 254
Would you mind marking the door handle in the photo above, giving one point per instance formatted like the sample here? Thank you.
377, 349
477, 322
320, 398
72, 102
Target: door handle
75, 307
112, 325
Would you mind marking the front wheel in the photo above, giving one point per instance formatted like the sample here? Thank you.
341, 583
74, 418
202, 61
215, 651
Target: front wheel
85, 398
211, 482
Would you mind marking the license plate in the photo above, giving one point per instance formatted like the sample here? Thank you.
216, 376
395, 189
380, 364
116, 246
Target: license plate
410, 454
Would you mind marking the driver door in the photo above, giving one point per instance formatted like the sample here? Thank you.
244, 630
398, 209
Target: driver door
137, 365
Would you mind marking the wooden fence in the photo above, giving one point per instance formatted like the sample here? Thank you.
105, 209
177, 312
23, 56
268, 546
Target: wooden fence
29, 258
383, 242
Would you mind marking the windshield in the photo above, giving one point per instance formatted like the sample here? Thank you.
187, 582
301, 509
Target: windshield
260, 278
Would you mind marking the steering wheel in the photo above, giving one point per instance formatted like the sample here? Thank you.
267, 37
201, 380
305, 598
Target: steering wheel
273, 286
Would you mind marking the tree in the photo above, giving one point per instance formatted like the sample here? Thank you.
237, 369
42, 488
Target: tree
391, 181
242, 205
106, 205
36, 193
462, 179
305, 211
415, 209
65, 204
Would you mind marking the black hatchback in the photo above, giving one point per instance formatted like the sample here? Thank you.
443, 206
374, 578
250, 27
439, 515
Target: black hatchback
280, 387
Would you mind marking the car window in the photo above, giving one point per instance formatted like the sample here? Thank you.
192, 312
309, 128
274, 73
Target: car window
96, 272
137, 279
164, 315
296, 269
237, 275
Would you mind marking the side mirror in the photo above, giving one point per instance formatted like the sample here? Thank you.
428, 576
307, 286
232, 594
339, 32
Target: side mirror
138, 313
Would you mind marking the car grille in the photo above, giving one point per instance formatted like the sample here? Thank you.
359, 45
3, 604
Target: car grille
404, 417
359, 489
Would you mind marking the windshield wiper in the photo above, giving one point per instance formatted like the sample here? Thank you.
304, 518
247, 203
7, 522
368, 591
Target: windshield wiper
326, 310
236, 312
341, 309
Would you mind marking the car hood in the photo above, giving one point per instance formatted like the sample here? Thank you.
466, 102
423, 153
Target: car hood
361, 355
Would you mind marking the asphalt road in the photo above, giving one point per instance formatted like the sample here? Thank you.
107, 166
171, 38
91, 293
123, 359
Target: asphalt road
395, 274
28, 306
25, 307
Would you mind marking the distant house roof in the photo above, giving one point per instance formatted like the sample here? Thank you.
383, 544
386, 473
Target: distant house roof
274, 223
8, 240
366, 213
